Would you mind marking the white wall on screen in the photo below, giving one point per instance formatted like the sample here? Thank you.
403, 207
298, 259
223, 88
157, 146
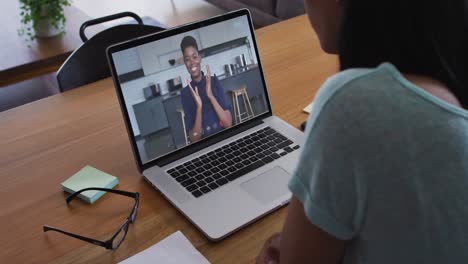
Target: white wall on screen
127, 61
150, 53
154, 58
224, 31
133, 90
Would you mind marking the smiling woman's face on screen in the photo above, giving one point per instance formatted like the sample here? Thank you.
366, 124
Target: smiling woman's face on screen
192, 61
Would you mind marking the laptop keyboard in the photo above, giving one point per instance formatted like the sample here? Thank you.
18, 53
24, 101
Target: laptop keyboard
231, 161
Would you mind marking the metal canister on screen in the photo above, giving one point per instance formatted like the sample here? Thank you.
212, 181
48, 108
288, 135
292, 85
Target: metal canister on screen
244, 61
233, 69
241, 61
227, 69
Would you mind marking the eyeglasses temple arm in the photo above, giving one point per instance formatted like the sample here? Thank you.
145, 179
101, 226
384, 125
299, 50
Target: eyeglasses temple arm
87, 239
129, 194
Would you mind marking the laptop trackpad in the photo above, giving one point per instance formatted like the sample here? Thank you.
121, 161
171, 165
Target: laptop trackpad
268, 186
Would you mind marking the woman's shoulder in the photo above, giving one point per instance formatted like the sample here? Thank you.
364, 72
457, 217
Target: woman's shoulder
185, 94
354, 84
215, 79
357, 98
184, 90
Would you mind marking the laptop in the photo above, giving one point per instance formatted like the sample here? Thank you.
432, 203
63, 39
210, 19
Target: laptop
196, 106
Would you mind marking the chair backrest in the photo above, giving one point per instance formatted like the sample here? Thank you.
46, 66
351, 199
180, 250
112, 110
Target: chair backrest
88, 63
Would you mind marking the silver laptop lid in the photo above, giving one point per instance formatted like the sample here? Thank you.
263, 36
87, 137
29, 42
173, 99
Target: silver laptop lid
189, 87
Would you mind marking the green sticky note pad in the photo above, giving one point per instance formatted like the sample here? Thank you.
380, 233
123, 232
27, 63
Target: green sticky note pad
89, 177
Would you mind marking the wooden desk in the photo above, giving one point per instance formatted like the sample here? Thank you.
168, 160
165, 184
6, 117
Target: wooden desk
45, 142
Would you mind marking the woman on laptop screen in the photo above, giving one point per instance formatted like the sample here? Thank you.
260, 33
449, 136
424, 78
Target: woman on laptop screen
383, 174
205, 109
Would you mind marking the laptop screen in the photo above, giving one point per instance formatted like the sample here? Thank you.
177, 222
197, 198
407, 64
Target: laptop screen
190, 86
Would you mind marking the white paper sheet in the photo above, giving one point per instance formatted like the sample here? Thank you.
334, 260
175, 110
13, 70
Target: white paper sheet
174, 249
308, 108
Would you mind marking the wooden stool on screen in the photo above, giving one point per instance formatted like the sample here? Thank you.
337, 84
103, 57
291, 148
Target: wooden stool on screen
182, 116
247, 107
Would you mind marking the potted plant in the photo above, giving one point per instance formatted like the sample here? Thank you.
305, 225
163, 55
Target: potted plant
42, 18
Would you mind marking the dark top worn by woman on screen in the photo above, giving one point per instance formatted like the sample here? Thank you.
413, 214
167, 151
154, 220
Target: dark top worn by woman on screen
210, 121
203, 101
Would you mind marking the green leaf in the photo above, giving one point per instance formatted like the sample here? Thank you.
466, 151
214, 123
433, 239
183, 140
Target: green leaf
34, 10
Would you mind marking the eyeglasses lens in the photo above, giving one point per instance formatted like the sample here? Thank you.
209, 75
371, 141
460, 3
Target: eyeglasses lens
134, 212
120, 237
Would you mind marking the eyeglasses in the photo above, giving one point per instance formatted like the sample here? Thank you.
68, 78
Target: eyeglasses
115, 241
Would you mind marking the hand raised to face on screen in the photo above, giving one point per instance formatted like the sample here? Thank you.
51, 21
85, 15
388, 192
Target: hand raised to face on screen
209, 92
196, 96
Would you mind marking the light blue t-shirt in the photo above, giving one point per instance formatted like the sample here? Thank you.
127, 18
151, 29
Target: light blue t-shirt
385, 166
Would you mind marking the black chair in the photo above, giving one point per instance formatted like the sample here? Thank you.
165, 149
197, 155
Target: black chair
88, 63
27, 91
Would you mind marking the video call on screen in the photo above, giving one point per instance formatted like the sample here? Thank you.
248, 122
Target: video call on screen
166, 113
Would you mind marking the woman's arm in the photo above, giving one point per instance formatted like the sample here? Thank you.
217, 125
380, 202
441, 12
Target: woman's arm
223, 115
301, 242
195, 133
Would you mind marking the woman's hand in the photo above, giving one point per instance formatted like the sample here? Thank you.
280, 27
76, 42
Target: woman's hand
196, 96
270, 253
209, 92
